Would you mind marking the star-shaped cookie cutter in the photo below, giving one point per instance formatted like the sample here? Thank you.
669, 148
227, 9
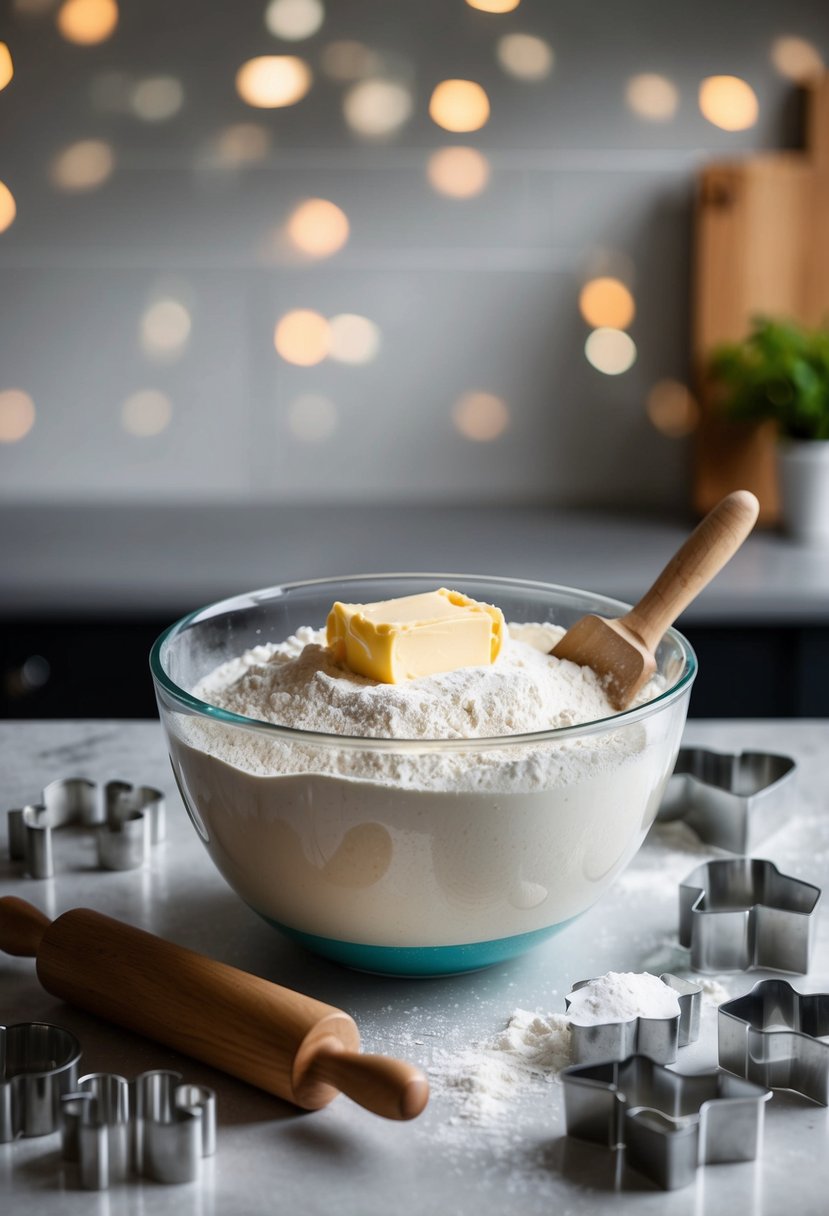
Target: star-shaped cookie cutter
732, 801
658, 1038
667, 1123
127, 820
741, 912
777, 1036
157, 1127
38, 1064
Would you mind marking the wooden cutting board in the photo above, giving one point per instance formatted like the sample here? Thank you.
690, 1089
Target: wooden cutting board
762, 247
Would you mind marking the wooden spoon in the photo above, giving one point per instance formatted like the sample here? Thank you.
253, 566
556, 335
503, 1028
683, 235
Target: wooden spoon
621, 652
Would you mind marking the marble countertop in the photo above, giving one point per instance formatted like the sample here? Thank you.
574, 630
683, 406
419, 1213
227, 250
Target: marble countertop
161, 560
343, 1160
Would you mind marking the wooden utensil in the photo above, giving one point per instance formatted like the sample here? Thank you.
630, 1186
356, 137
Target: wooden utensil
621, 651
285, 1043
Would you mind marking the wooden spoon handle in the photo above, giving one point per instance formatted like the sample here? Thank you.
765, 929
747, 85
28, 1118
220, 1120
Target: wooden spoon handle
712, 543
387, 1087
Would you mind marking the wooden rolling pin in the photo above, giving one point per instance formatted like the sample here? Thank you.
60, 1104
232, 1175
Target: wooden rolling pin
285, 1043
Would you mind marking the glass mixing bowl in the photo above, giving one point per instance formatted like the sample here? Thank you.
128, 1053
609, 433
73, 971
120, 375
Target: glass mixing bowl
413, 856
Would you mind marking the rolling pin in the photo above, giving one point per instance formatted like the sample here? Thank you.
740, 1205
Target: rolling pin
285, 1043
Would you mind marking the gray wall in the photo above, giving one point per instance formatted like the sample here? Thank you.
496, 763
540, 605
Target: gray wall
477, 294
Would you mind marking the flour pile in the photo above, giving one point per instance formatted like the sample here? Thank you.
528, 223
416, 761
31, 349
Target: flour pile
620, 996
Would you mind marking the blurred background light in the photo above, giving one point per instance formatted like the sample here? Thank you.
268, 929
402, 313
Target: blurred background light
459, 105
607, 302
165, 329
318, 228
525, 56
241, 143
111, 92
87, 22
651, 96
17, 414
146, 413
271, 81
610, 351
494, 6
672, 409
34, 8
348, 60
796, 58
480, 416
6, 66
377, 108
84, 165
157, 98
458, 172
312, 418
8, 207
728, 102
294, 20
303, 337
353, 339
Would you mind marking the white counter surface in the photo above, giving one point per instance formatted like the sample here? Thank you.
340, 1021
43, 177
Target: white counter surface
273, 1159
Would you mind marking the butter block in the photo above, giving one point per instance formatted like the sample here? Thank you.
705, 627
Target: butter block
416, 635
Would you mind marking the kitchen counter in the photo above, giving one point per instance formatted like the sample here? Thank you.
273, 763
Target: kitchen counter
342, 1160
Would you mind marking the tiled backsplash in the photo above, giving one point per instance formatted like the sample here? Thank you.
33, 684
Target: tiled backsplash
160, 238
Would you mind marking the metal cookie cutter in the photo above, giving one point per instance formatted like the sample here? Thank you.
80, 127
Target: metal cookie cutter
731, 801
38, 1065
658, 1038
667, 1123
156, 1127
741, 912
778, 1037
127, 819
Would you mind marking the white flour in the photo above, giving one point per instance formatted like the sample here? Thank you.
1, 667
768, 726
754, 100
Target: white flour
620, 996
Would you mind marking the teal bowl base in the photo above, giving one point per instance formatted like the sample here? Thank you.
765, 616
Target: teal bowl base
420, 961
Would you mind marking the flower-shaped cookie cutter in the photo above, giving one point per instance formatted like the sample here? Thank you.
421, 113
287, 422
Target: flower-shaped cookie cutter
732, 801
38, 1065
658, 1038
779, 1037
668, 1124
741, 912
127, 820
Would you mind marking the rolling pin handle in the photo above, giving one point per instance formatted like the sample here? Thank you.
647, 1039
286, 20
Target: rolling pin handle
22, 926
387, 1087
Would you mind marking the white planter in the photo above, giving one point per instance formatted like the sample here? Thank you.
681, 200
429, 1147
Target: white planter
803, 472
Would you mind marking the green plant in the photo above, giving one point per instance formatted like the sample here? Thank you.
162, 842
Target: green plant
781, 372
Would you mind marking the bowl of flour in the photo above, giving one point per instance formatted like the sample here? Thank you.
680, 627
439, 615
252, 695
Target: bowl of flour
429, 827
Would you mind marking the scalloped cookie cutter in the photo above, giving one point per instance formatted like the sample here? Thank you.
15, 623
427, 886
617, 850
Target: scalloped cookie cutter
741, 912
38, 1065
127, 821
667, 1123
779, 1037
658, 1038
731, 800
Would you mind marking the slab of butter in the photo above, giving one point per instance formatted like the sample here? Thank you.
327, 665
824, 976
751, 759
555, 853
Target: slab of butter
417, 635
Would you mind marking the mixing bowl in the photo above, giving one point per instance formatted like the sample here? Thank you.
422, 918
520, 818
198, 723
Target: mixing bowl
412, 856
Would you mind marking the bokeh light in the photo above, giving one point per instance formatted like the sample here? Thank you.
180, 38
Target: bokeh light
525, 56
353, 339
796, 59
318, 228
303, 337
242, 143
610, 351
8, 207
480, 416
146, 413
652, 96
494, 6
607, 302
458, 172
728, 102
672, 409
348, 60
377, 108
165, 329
294, 20
312, 418
270, 81
17, 414
157, 98
85, 165
87, 22
6, 66
459, 105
